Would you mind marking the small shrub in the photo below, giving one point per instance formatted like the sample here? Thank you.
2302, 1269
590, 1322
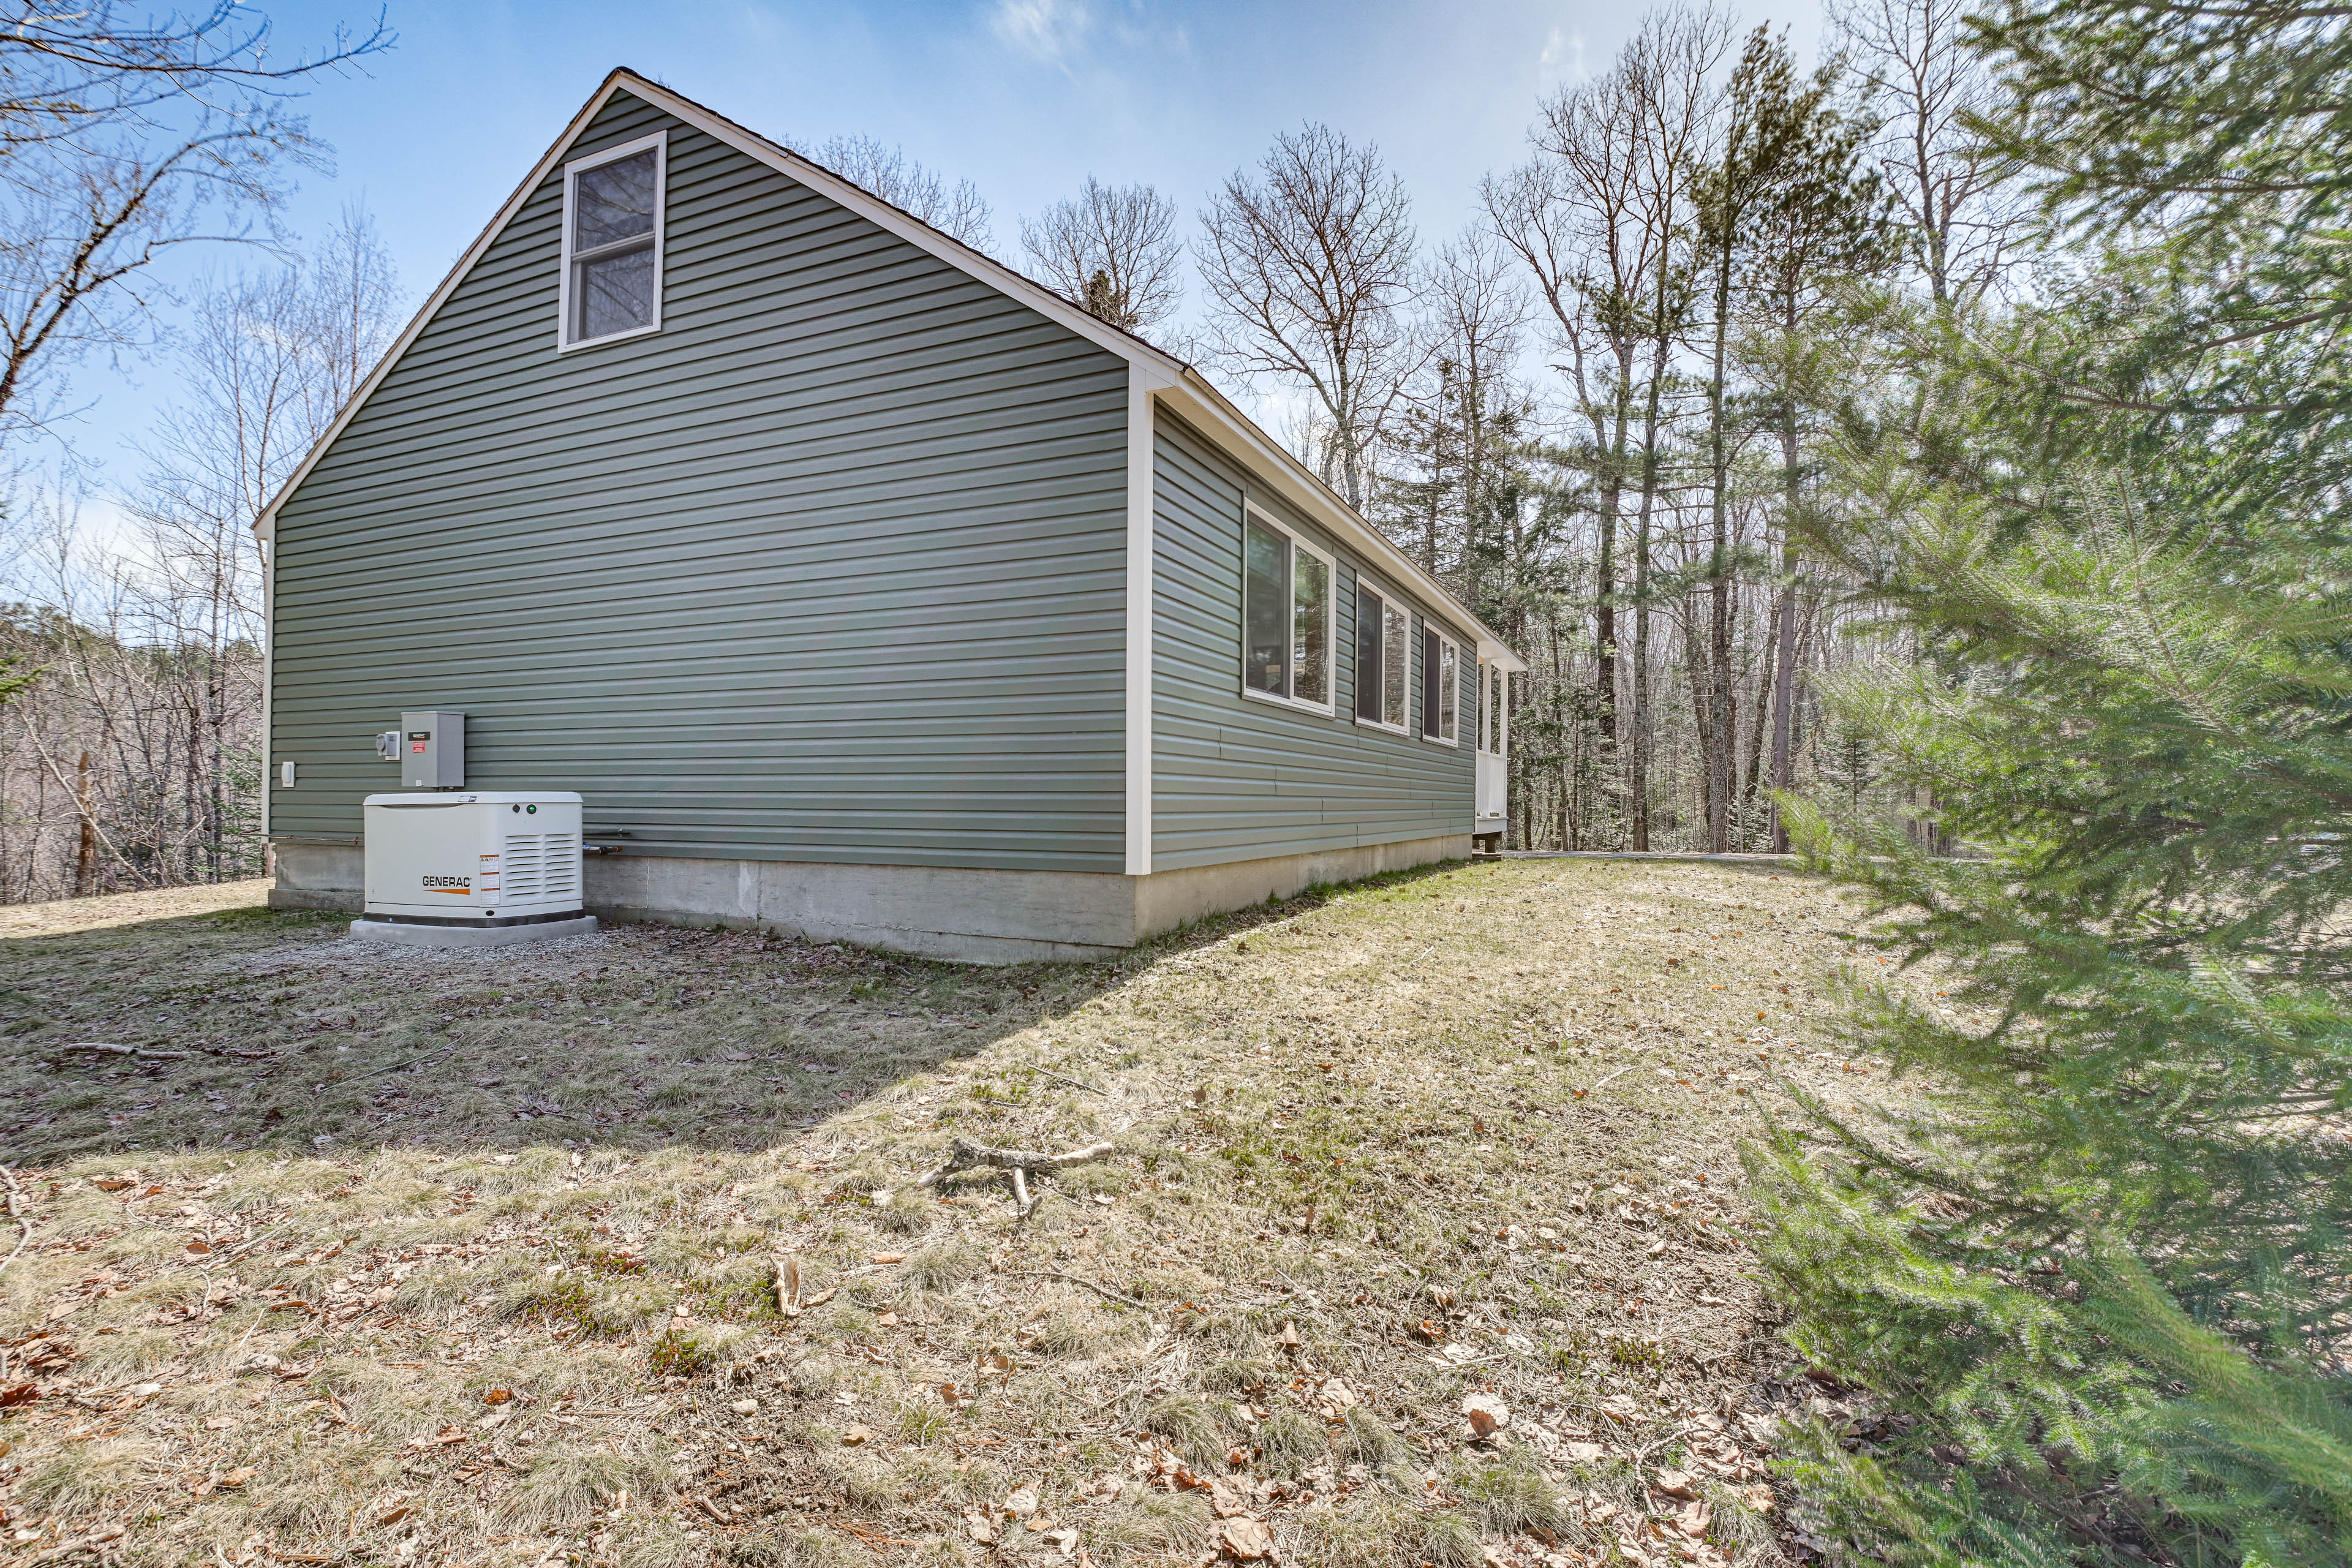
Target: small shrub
1635, 1355
1511, 1496
1367, 1439
1290, 1441
1190, 1425
678, 1353
1449, 1539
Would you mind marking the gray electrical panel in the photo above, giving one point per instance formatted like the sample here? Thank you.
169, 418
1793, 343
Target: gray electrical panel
433, 751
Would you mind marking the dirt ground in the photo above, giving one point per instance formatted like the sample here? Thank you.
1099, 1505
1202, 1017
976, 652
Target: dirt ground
614, 1250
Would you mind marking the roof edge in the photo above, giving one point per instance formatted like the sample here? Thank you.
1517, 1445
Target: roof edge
1163, 369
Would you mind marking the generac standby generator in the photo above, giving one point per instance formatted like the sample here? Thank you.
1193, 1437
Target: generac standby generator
466, 868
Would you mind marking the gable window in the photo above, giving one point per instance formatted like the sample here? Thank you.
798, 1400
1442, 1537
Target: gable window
1441, 687
1285, 616
1383, 649
612, 242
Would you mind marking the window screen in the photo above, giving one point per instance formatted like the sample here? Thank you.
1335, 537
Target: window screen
1396, 653
1449, 691
1428, 682
613, 241
1266, 562
1368, 654
1287, 592
1310, 627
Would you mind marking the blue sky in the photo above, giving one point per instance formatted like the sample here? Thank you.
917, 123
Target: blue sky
1025, 97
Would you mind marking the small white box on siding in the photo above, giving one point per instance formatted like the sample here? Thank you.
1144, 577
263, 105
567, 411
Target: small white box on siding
479, 858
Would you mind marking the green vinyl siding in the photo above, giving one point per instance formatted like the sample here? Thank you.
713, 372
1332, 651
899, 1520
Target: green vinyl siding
831, 567
1235, 778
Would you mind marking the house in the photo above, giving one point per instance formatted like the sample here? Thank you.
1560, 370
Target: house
865, 588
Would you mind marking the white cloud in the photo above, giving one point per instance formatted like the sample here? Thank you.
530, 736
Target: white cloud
1563, 56
1048, 30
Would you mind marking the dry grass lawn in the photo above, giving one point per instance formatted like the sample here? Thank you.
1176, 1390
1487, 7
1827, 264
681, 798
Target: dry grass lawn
472, 1258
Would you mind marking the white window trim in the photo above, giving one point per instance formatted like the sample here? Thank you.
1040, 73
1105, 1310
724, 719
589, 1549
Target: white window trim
1251, 512
1455, 643
1493, 686
660, 141
1367, 581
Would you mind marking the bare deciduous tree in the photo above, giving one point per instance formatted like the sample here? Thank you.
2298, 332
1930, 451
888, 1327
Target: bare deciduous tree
1310, 263
124, 141
1598, 217
1113, 249
133, 759
1956, 197
958, 211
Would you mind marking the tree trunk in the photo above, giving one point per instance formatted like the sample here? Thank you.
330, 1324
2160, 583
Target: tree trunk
1717, 719
1638, 774
86, 852
1765, 686
1784, 666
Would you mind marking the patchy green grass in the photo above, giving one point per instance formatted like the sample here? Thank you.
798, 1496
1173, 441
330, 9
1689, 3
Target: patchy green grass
419, 1257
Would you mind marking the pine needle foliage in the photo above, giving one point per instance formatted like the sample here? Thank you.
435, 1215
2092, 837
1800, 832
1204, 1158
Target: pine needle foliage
2101, 1258
2098, 1259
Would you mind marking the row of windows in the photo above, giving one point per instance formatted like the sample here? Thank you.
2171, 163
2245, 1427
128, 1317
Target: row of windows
1287, 587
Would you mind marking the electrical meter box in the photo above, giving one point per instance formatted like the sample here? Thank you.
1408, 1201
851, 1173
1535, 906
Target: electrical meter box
431, 750
474, 859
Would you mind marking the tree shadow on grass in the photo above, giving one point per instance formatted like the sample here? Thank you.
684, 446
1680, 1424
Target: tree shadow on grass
299, 1040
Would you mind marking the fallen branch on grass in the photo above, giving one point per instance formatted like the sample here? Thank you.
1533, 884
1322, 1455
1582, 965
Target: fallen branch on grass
1105, 1293
1018, 1163
1621, 1072
969, 1155
788, 1289
141, 1052
26, 1225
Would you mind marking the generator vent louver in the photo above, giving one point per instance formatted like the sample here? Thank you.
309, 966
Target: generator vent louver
540, 865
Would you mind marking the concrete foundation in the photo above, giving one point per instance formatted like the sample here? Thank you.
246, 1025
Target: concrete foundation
400, 934
965, 915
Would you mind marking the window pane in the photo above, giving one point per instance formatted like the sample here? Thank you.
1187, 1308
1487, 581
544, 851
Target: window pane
613, 202
616, 292
1396, 649
1310, 627
1449, 692
1368, 654
1428, 682
1264, 613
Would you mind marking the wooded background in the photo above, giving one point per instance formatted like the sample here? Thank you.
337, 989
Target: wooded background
1592, 412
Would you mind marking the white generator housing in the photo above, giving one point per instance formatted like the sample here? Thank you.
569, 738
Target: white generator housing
470, 862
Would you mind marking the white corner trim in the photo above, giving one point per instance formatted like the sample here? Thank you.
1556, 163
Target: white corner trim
268, 668
1141, 531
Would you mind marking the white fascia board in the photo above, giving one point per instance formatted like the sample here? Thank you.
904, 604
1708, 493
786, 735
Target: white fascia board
1145, 381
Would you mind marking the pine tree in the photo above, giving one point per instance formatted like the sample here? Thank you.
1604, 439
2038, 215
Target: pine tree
2097, 1260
